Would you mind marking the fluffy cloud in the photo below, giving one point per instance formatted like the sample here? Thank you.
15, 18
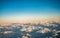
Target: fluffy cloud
45, 30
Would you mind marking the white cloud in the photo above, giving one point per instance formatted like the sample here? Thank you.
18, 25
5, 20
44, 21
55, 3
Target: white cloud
45, 30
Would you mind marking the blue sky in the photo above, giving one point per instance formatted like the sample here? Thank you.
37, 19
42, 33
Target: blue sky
29, 8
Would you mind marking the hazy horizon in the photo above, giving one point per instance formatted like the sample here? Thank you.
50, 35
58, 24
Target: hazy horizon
28, 10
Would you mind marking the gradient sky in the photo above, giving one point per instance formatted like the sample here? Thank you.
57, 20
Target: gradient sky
27, 9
